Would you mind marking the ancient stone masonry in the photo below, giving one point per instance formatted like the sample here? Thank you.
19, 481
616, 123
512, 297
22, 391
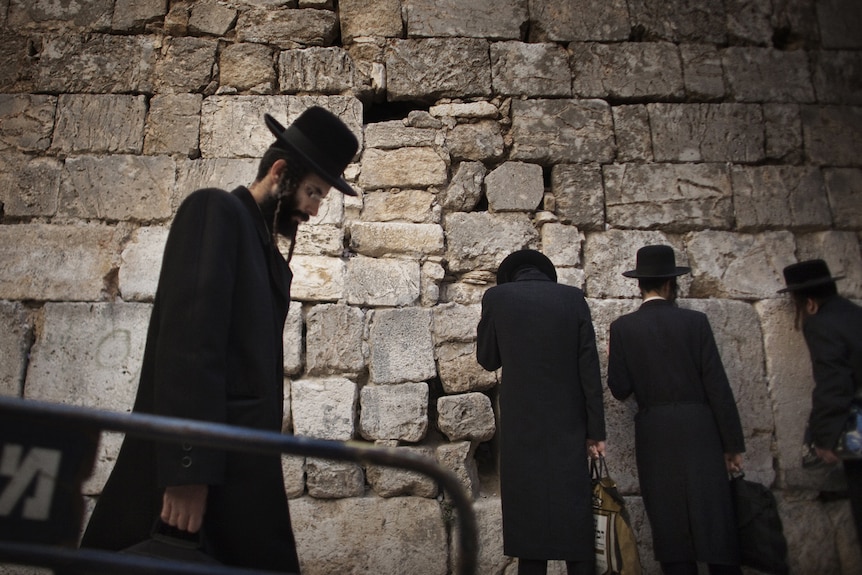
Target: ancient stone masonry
730, 129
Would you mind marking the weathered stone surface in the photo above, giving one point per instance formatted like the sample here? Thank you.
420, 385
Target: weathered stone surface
455, 322
401, 346
293, 470
579, 20
475, 110
362, 18
94, 15
842, 254
779, 197
317, 69
480, 240
431, 275
840, 21
501, 19
382, 282
814, 532
292, 343
15, 338
100, 123
489, 522
579, 195
100, 366
631, 125
514, 187
702, 71
326, 479
434, 68
29, 186
680, 20
247, 67
766, 74
417, 206
56, 262
749, 22
458, 458
141, 263
324, 408
562, 244
465, 188
402, 168
395, 134
478, 141
130, 15
211, 18
783, 127
626, 71
185, 65
173, 124
740, 266
379, 240
560, 131
286, 27
397, 412
832, 134
844, 188
458, 369
222, 173
118, 187
317, 278
836, 77
466, 416
519, 68
674, 197
26, 122
334, 340
15, 62
329, 543
707, 132
393, 482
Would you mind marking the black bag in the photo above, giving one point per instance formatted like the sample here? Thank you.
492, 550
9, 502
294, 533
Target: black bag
168, 542
761, 535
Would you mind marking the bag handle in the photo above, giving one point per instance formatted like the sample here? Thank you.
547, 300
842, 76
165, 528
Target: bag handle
599, 468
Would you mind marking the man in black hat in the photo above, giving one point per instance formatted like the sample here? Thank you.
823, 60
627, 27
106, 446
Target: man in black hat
214, 353
688, 434
551, 412
832, 327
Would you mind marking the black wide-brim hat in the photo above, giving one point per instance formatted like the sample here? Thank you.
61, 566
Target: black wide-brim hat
322, 140
521, 258
656, 262
807, 274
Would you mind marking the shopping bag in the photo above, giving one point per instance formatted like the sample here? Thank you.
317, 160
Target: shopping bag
761, 535
616, 545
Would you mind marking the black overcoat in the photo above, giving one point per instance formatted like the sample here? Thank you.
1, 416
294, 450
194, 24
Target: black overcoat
687, 419
213, 352
541, 334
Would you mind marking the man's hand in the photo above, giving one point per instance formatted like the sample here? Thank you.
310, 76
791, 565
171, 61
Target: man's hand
183, 506
733, 461
595, 448
827, 455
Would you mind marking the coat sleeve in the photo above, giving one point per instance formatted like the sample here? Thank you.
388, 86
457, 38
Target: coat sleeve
719, 395
619, 380
195, 291
590, 375
487, 352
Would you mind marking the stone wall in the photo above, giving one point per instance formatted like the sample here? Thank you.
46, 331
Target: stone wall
730, 129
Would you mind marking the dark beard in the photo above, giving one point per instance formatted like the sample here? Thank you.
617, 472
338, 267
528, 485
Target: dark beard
280, 212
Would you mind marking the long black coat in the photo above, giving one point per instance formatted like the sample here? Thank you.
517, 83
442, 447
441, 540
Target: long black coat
541, 333
214, 353
687, 419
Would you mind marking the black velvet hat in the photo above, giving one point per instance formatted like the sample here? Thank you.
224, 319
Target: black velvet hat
321, 139
522, 258
807, 274
656, 262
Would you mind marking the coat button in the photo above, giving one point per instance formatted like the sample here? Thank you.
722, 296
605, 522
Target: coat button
187, 447
187, 461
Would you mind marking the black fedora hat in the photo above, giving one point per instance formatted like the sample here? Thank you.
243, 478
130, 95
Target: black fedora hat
321, 139
807, 274
656, 262
520, 258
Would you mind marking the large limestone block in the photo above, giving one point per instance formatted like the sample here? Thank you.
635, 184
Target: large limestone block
769, 197
95, 14
836, 78
247, 67
16, 330
416, 206
26, 122
702, 71
118, 187
627, 71
334, 340
459, 370
293, 470
402, 168
562, 244
476, 141
186, 64
317, 278
130, 15
749, 22
396, 412
29, 185
395, 134
765, 74
498, 19
100, 123
324, 408
839, 24
141, 263
579, 20
387, 481
843, 187
703, 21
431, 276
832, 134
379, 240
382, 282
467, 416
316, 240
401, 346
707, 132
434, 68
459, 458
631, 124
536, 70
675, 197
579, 195
360, 18
480, 240
808, 531
475, 110
211, 18
292, 339
285, 27
455, 322
465, 188
561, 131
489, 523
225, 174
316, 70
56, 262
741, 266
173, 124
783, 126
396, 535
514, 187
328, 479
842, 254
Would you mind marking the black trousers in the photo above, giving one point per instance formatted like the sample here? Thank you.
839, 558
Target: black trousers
690, 568
853, 470
540, 567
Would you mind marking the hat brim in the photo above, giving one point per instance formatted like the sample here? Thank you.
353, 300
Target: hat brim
525, 257
678, 271
298, 143
810, 284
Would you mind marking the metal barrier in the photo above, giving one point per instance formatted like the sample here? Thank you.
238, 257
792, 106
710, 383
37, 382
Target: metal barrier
16, 434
